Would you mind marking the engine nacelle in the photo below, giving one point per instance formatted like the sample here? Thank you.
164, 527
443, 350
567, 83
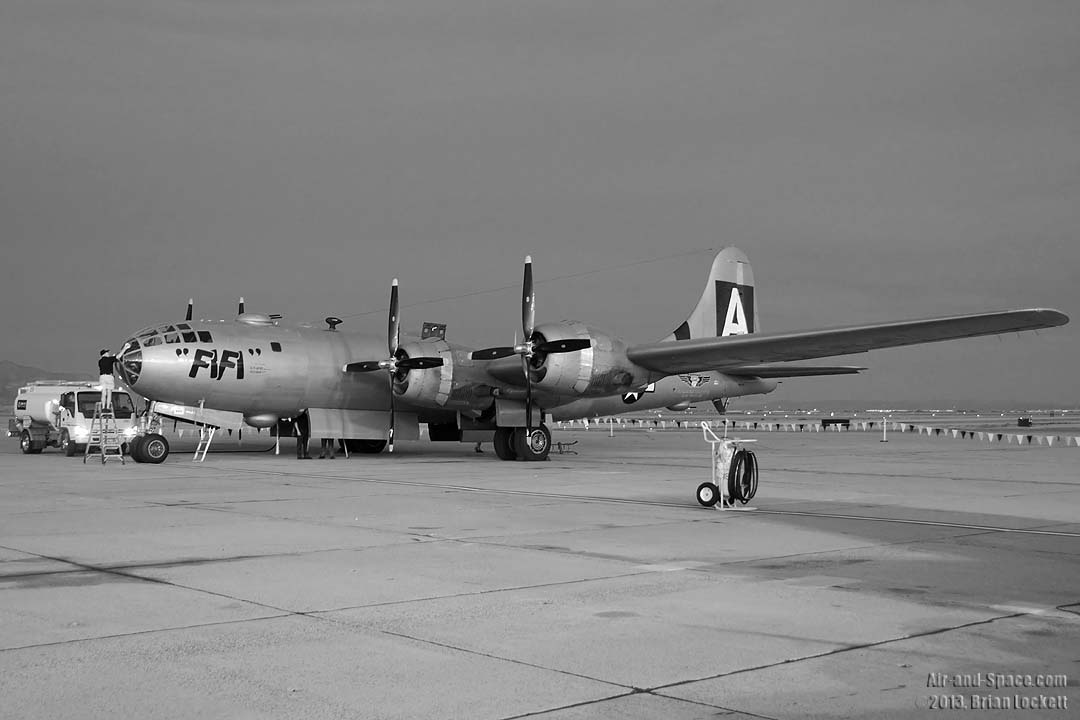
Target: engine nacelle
601, 369
261, 420
431, 387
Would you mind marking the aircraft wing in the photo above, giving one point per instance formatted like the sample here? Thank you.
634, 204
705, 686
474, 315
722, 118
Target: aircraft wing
785, 370
721, 353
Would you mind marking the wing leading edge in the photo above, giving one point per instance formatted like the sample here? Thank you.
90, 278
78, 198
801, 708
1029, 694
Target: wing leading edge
736, 351
784, 370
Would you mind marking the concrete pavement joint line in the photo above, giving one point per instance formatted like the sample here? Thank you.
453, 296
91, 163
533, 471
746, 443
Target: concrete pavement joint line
852, 473
704, 467
635, 691
153, 631
121, 573
198, 503
932, 523
477, 593
122, 568
652, 503
472, 489
512, 661
873, 546
839, 650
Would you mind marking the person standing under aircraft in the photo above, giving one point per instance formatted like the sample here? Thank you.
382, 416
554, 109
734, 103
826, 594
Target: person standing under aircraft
105, 376
303, 432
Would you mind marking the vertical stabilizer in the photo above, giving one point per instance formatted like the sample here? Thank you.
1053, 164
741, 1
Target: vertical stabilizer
727, 306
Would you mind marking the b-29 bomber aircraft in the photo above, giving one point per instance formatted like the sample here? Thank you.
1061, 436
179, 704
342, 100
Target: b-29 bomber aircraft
369, 391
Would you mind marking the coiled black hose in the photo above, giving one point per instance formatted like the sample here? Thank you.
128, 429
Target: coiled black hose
742, 479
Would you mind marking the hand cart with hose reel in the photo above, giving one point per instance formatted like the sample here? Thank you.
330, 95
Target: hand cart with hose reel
734, 471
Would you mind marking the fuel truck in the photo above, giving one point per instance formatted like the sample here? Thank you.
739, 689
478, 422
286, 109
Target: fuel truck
51, 413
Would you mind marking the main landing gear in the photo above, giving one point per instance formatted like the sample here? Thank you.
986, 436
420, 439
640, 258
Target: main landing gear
529, 444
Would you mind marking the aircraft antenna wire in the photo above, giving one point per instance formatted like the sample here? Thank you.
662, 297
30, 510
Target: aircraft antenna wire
568, 276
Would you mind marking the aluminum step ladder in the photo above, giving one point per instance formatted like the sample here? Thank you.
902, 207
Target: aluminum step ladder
104, 435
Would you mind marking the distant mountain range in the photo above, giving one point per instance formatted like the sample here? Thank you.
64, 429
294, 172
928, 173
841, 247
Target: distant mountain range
13, 376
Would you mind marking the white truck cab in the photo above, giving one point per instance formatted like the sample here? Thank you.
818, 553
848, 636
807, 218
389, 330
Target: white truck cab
54, 413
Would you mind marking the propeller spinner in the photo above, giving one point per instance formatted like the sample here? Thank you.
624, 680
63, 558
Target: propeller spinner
398, 364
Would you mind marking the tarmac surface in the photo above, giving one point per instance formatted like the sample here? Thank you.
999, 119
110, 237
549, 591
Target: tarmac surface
871, 579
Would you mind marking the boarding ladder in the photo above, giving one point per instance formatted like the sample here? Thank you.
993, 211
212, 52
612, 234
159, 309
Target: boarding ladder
104, 435
206, 434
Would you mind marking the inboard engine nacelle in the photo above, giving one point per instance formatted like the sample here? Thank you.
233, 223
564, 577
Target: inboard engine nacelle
600, 369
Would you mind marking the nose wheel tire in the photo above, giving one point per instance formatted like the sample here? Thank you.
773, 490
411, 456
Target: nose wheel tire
708, 494
152, 448
135, 448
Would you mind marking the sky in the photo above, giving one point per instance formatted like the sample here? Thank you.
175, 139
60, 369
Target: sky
876, 161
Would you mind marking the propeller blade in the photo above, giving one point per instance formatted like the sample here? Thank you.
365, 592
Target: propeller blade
492, 353
390, 434
365, 366
528, 394
190, 308
528, 301
240, 311
419, 363
563, 346
393, 330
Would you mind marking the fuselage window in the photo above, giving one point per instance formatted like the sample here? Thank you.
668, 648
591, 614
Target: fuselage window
188, 336
172, 338
275, 346
204, 336
183, 326
152, 341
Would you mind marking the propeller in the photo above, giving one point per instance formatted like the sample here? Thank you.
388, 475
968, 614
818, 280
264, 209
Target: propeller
398, 364
535, 345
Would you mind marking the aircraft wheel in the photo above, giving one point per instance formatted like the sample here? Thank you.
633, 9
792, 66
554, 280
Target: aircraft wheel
135, 448
532, 445
504, 444
66, 444
155, 448
708, 494
27, 444
368, 447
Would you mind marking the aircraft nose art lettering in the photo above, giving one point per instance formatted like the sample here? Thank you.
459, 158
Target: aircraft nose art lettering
158, 358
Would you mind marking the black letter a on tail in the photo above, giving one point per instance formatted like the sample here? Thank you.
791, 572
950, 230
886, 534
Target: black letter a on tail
734, 309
